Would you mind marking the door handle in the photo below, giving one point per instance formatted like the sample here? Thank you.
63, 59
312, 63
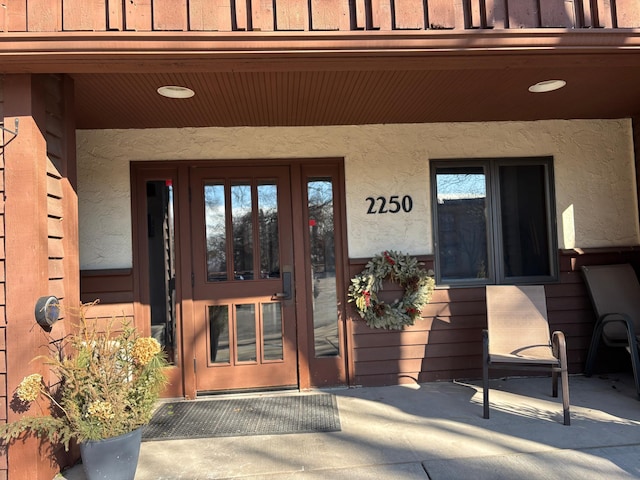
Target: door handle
287, 292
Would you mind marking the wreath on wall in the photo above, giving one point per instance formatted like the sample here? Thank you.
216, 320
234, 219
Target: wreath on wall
418, 285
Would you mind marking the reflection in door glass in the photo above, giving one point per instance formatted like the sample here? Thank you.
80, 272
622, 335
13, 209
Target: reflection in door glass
272, 331
214, 215
219, 333
323, 267
268, 230
242, 220
162, 273
246, 332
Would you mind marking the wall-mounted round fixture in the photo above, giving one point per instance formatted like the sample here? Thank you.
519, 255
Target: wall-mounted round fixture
47, 311
175, 91
547, 86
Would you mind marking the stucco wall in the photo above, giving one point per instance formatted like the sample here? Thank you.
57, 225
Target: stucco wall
594, 175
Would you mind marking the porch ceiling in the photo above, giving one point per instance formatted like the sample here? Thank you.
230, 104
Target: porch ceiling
327, 79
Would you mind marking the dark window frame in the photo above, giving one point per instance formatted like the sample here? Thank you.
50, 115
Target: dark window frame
493, 220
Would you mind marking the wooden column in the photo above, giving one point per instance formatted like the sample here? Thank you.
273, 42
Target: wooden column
26, 254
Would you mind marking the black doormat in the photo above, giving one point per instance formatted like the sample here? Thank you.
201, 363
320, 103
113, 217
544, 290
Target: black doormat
244, 416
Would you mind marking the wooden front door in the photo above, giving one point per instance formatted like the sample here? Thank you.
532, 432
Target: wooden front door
244, 306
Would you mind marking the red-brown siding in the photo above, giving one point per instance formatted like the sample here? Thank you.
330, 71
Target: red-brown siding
39, 253
447, 342
3, 319
318, 15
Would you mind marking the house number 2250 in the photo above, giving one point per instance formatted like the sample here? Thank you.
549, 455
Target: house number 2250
393, 205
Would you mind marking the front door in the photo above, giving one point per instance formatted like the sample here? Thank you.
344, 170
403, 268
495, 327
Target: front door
243, 278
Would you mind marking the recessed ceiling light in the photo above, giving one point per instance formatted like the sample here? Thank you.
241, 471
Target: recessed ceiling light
174, 91
547, 86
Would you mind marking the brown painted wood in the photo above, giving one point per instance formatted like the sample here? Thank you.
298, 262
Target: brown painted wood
263, 15
329, 15
292, 15
211, 15
115, 15
240, 375
604, 14
361, 15
45, 15
16, 16
556, 14
523, 14
170, 15
409, 14
381, 18
138, 15
80, 15
442, 14
26, 252
496, 14
627, 14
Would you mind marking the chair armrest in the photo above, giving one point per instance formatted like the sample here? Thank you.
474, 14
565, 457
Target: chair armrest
559, 346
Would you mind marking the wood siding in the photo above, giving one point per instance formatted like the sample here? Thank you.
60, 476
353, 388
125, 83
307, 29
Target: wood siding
39, 243
113, 291
447, 343
312, 15
3, 319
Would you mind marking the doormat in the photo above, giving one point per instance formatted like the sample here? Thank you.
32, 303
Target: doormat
273, 415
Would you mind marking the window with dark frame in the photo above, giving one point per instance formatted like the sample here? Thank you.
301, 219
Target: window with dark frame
494, 221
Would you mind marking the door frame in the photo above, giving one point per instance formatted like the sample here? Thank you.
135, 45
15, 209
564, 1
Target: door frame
183, 374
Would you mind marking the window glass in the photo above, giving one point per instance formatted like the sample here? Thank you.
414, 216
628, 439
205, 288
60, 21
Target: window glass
524, 224
493, 221
216, 233
268, 230
242, 221
323, 264
462, 226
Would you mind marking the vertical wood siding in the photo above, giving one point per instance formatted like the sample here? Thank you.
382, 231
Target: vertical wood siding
316, 15
447, 342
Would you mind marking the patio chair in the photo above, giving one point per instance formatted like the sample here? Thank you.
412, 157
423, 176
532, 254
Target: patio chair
517, 338
615, 295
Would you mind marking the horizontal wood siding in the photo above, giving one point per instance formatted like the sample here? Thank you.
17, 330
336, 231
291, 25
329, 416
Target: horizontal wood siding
3, 318
113, 292
318, 15
447, 343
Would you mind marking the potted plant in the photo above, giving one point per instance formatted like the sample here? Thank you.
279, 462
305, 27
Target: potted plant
107, 385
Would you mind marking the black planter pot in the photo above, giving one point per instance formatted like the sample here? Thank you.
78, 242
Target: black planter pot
113, 458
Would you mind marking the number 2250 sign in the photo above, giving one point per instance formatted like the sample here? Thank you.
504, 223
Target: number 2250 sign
393, 204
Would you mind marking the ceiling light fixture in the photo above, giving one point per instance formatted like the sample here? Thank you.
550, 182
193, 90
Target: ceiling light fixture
175, 91
547, 86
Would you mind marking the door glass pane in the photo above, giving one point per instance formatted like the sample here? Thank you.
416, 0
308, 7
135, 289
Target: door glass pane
268, 230
246, 332
242, 221
525, 231
219, 333
272, 331
214, 218
462, 226
323, 267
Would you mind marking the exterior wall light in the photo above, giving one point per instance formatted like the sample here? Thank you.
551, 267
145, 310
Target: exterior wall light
47, 311
175, 91
547, 86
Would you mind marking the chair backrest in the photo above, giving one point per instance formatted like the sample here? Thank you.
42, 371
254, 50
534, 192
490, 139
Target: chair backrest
517, 320
614, 289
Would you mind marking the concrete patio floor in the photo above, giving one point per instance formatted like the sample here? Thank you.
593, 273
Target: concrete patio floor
431, 431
